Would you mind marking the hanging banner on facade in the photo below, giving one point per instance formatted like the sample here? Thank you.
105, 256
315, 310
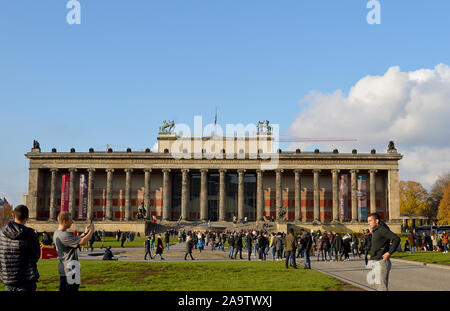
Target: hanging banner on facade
82, 206
361, 194
65, 179
343, 198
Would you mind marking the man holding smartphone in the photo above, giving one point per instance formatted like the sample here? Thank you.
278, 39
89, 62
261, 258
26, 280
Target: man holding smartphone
66, 246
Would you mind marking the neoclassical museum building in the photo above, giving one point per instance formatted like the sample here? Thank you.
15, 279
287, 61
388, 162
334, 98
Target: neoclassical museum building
216, 179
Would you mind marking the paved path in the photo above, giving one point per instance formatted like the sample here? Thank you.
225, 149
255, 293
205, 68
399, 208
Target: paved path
404, 276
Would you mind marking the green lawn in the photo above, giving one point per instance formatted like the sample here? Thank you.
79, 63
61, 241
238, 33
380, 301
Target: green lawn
189, 276
428, 257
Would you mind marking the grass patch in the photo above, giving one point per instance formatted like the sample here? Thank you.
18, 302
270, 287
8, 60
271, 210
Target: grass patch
189, 276
428, 257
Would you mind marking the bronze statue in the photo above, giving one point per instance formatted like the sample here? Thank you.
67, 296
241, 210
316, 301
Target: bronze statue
391, 145
36, 144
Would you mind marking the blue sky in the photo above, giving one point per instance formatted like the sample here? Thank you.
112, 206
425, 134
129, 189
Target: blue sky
132, 64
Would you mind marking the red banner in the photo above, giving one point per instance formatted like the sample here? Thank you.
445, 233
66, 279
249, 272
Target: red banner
65, 179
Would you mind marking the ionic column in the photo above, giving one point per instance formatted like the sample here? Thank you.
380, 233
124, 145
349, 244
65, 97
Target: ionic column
184, 194
278, 199
72, 172
354, 200
166, 194
373, 205
203, 194
109, 181
128, 172
393, 195
298, 211
54, 172
147, 172
90, 204
241, 194
335, 187
222, 194
259, 195
316, 196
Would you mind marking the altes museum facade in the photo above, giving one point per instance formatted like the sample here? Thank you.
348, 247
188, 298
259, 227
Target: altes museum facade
213, 178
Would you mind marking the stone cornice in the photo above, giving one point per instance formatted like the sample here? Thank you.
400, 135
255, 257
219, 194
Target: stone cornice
197, 157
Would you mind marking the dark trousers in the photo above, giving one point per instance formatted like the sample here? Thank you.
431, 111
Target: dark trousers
66, 287
190, 254
148, 252
236, 252
262, 254
307, 259
366, 252
249, 250
290, 254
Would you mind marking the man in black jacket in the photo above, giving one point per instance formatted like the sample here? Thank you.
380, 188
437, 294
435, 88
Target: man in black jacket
19, 253
237, 245
382, 248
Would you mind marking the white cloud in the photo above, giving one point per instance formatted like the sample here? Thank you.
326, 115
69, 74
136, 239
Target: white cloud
411, 108
155, 148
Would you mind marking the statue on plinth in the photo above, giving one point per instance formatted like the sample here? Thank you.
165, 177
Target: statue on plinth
167, 127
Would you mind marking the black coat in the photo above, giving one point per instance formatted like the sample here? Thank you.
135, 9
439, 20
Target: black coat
238, 242
338, 243
159, 246
189, 246
19, 253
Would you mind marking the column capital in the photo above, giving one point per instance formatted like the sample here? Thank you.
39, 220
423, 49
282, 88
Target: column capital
128, 170
259, 171
393, 169
222, 170
55, 170
91, 170
279, 170
166, 170
109, 170
316, 171
373, 171
185, 170
298, 171
354, 171
203, 170
335, 171
147, 170
241, 171
72, 170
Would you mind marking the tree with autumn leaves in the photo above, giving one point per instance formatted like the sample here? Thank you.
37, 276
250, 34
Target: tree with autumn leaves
443, 214
414, 199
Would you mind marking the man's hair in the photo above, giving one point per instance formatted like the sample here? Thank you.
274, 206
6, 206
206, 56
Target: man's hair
374, 215
63, 216
21, 212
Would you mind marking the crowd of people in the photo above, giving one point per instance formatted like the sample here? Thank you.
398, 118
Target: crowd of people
379, 243
436, 242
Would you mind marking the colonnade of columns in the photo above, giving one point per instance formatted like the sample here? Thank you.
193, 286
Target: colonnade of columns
260, 206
